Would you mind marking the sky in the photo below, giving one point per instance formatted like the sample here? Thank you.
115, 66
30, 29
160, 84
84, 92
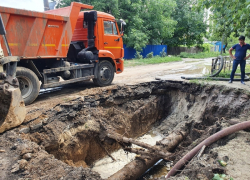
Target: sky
34, 5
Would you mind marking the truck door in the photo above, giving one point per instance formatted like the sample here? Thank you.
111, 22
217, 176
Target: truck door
112, 39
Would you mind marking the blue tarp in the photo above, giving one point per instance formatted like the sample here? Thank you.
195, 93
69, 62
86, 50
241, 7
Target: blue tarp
218, 43
129, 53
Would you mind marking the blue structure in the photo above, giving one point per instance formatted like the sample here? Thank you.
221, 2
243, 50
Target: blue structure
129, 53
52, 5
218, 44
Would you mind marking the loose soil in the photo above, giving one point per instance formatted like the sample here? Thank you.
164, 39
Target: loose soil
66, 139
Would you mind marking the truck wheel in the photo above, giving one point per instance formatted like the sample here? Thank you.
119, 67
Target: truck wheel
28, 83
105, 74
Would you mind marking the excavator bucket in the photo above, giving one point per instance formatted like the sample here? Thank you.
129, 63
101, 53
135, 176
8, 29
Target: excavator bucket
12, 108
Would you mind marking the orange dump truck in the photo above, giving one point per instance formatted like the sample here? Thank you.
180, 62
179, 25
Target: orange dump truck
62, 46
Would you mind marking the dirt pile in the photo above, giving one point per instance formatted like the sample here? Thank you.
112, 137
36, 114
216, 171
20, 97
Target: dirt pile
67, 139
23, 159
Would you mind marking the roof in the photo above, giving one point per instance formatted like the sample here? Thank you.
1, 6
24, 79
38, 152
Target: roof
99, 14
104, 15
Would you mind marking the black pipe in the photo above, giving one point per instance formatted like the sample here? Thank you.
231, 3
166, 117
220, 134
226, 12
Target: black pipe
90, 18
221, 66
215, 78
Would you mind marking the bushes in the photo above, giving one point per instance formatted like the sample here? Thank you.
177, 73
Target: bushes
185, 55
206, 47
138, 55
163, 53
150, 55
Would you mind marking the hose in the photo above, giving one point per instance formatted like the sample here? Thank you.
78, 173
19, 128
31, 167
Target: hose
221, 66
207, 142
215, 78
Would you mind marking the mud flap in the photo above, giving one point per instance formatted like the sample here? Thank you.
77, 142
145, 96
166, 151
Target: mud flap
12, 108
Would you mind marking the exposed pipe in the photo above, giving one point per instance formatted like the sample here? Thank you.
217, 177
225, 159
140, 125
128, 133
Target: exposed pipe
215, 78
136, 168
207, 142
91, 52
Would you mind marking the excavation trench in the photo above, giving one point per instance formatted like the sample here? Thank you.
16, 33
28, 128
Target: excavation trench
75, 132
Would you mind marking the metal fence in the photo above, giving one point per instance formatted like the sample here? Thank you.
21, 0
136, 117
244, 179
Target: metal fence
129, 53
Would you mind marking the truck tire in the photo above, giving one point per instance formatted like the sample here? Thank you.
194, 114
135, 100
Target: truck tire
28, 83
105, 74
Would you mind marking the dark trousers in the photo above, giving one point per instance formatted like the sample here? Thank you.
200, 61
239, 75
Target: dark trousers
242, 69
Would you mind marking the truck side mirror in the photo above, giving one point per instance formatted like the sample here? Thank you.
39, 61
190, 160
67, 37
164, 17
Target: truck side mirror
123, 24
2, 29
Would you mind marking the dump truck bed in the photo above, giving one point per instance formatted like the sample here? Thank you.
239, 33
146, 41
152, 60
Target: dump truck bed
34, 35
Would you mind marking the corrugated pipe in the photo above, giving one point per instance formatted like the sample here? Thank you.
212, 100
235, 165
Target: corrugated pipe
207, 142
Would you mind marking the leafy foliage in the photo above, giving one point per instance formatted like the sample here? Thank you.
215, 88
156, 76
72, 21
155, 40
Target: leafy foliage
138, 55
206, 47
150, 55
232, 40
190, 28
163, 53
148, 21
228, 17
109, 6
221, 177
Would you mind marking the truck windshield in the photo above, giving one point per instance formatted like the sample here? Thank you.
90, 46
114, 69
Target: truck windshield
110, 28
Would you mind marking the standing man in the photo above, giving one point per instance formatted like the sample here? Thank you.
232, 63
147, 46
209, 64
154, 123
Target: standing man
240, 57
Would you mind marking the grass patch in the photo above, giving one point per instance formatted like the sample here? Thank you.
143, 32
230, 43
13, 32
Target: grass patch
201, 55
154, 60
201, 82
227, 73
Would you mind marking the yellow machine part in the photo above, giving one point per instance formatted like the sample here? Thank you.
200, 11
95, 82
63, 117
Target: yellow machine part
12, 109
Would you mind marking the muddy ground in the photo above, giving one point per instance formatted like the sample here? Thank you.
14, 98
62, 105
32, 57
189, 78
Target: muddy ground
132, 76
64, 139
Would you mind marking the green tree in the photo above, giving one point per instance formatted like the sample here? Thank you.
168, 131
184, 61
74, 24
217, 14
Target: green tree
148, 21
228, 17
190, 28
108, 6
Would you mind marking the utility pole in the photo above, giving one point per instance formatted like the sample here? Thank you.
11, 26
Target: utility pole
46, 5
